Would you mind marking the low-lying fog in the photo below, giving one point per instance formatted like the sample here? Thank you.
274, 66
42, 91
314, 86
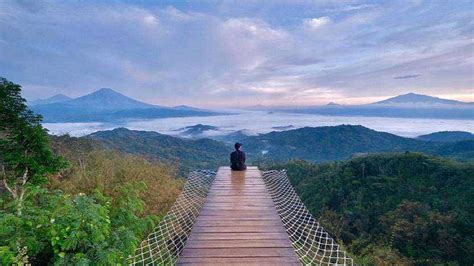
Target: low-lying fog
255, 122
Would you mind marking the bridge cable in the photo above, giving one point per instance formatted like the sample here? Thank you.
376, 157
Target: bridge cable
165, 243
311, 242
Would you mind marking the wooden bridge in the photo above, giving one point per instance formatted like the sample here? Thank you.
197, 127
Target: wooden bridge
238, 225
239, 218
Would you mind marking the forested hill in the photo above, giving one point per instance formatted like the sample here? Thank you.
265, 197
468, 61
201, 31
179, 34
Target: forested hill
189, 154
448, 136
393, 209
313, 144
342, 142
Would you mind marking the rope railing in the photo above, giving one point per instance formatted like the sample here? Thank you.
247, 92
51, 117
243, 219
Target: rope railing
312, 244
163, 246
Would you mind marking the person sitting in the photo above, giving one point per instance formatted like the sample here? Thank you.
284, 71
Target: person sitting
237, 158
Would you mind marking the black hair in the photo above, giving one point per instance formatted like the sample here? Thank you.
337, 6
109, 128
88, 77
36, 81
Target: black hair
237, 145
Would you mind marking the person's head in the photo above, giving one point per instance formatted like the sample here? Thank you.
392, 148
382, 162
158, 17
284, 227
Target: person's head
237, 146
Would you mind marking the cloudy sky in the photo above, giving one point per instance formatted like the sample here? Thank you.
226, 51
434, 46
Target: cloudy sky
230, 53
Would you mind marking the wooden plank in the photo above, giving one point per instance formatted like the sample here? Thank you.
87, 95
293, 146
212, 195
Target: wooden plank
236, 252
237, 213
238, 236
269, 261
238, 229
238, 225
202, 222
240, 204
212, 218
238, 243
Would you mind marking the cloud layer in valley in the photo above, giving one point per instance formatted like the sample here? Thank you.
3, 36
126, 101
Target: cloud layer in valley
221, 54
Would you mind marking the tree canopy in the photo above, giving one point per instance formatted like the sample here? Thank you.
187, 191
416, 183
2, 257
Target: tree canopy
404, 208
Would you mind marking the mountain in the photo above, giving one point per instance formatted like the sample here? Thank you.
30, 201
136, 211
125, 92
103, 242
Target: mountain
409, 105
107, 105
342, 142
233, 137
447, 136
413, 98
327, 143
108, 99
312, 144
196, 130
186, 108
189, 154
283, 127
54, 99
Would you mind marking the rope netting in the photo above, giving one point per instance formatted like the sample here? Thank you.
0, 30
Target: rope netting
163, 246
311, 242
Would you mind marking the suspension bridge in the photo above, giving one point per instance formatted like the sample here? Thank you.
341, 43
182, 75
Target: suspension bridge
239, 218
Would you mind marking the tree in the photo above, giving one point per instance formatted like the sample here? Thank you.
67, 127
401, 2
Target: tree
95, 213
25, 156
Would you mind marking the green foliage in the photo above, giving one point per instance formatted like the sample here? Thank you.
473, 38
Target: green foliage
23, 141
79, 228
25, 160
186, 154
343, 142
410, 208
64, 229
94, 212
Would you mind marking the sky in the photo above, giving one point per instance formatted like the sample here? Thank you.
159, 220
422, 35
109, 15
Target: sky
240, 53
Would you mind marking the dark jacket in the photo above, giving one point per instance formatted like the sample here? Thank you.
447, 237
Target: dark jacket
237, 160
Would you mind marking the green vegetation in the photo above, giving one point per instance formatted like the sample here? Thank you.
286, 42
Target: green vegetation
89, 206
342, 142
392, 209
313, 144
186, 154
447, 136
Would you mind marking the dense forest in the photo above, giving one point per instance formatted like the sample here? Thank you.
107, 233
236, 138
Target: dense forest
69, 201
393, 209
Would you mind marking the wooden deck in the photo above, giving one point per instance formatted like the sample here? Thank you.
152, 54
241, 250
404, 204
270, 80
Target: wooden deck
238, 225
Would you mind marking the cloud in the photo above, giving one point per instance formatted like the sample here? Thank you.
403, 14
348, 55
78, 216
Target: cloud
407, 76
237, 53
316, 23
352, 7
150, 20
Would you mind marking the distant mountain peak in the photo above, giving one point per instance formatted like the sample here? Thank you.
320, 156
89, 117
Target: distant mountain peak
182, 106
60, 95
108, 91
186, 108
107, 98
197, 130
414, 98
54, 99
